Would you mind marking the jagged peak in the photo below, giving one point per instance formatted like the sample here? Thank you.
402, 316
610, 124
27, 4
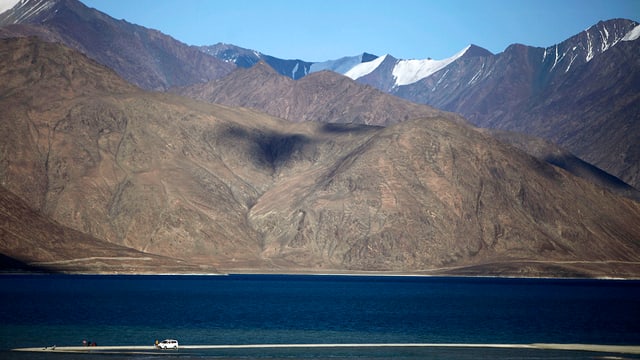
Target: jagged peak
410, 71
365, 68
602, 36
366, 57
222, 47
612, 30
37, 11
586, 45
475, 51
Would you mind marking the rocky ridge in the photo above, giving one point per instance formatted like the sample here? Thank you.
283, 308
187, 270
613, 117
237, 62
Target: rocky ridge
580, 93
324, 97
145, 57
237, 190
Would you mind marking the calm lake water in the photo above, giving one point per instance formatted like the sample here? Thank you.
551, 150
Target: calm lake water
43, 310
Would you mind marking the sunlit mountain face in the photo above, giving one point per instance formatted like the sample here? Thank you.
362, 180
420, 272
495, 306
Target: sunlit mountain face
256, 171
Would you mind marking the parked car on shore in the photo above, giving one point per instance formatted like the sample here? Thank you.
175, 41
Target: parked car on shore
168, 344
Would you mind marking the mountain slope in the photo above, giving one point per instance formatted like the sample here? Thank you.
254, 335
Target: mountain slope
331, 98
323, 96
553, 154
294, 69
388, 73
437, 195
581, 94
143, 56
604, 128
240, 190
343, 64
36, 243
513, 90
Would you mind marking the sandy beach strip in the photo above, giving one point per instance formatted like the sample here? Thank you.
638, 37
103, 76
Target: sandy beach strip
619, 349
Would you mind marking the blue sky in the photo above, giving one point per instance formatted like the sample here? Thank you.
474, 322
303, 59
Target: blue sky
407, 29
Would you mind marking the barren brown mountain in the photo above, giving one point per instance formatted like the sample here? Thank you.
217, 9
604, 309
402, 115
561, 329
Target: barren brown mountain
331, 98
31, 242
145, 57
323, 96
238, 190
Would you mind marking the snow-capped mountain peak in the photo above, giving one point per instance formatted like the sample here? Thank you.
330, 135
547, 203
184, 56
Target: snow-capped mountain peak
363, 69
405, 71
410, 71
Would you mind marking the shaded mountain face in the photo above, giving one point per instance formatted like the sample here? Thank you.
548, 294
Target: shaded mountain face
553, 154
145, 57
245, 58
235, 189
582, 94
324, 97
331, 98
294, 69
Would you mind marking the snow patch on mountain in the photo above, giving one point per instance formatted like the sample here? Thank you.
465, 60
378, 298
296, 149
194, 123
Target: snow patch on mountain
363, 69
410, 71
34, 8
590, 43
341, 66
405, 72
7, 4
633, 34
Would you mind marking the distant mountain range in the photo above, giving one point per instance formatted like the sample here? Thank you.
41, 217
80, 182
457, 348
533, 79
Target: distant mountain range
325, 97
156, 178
562, 93
332, 171
294, 69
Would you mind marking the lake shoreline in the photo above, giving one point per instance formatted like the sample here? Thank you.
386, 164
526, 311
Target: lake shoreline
278, 316
319, 273
600, 348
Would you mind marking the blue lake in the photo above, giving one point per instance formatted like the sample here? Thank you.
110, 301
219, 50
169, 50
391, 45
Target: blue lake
43, 310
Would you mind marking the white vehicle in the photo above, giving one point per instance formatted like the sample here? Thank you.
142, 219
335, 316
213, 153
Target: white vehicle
168, 344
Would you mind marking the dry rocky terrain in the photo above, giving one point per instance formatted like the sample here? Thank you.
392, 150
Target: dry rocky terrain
324, 96
234, 189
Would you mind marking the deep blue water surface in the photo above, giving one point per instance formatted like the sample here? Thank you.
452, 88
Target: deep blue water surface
39, 310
